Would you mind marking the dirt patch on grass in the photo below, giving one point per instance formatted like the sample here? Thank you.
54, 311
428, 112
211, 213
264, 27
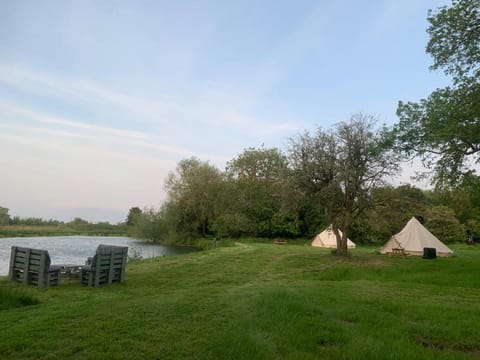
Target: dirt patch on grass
469, 349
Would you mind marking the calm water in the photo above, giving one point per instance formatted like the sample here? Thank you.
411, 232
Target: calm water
76, 249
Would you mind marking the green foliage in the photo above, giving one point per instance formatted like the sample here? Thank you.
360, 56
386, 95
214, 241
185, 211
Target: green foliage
133, 215
473, 225
249, 199
192, 193
268, 165
19, 227
32, 221
333, 177
444, 129
232, 225
454, 40
4, 216
257, 178
150, 225
442, 223
342, 168
393, 207
463, 201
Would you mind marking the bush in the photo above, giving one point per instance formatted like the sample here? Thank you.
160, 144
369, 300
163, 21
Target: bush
442, 222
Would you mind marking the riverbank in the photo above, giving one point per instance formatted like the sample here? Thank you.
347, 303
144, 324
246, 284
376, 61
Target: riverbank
257, 301
63, 230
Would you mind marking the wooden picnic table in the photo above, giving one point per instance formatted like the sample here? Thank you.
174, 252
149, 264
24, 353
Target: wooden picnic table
398, 252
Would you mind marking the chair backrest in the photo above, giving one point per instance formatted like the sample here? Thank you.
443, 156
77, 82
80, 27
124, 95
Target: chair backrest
111, 261
28, 265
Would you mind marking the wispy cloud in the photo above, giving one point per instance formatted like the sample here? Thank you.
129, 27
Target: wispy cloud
16, 111
215, 102
82, 90
88, 132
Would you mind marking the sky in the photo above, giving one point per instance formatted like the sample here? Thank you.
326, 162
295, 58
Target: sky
99, 100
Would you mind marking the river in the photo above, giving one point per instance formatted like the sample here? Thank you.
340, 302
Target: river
76, 249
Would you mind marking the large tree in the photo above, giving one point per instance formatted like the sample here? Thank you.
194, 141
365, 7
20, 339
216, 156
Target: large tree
192, 196
444, 129
257, 175
393, 207
133, 216
454, 39
342, 167
267, 165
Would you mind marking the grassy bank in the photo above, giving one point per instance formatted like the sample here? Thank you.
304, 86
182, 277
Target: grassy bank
260, 301
61, 230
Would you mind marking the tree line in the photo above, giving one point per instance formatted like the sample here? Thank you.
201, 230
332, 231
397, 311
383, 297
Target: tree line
334, 177
14, 226
337, 176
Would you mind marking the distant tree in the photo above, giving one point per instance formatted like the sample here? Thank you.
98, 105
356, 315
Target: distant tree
4, 216
444, 129
256, 205
342, 167
230, 221
133, 215
442, 222
78, 221
392, 208
16, 220
151, 225
463, 200
262, 164
33, 221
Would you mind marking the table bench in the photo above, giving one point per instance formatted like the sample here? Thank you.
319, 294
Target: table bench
398, 252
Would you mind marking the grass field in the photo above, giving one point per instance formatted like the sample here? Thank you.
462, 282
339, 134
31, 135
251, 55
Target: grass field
255, 301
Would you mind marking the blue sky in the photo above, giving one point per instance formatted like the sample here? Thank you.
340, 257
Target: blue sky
100, 99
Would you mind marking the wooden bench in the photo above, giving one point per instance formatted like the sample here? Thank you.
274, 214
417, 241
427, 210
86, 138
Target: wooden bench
106, 266
280, 242
32, 266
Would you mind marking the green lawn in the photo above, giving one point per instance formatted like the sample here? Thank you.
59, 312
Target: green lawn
255, 301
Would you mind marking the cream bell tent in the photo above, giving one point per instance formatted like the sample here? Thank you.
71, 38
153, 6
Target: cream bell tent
328, 239
413, 238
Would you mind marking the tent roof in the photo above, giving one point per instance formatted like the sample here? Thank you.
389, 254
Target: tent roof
413, 238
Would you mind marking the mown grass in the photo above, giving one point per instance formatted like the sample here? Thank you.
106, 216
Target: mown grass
258, 301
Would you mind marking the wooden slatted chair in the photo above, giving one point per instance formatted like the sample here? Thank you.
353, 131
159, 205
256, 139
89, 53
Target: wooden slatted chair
107, 266
32, 266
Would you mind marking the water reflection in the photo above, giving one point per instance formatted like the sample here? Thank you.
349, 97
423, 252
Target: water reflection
76, 249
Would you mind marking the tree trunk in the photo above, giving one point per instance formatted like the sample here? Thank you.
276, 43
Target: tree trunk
342, 248
342, 240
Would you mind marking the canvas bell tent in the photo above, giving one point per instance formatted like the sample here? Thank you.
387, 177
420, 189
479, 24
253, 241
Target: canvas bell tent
413, 238
328, 239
